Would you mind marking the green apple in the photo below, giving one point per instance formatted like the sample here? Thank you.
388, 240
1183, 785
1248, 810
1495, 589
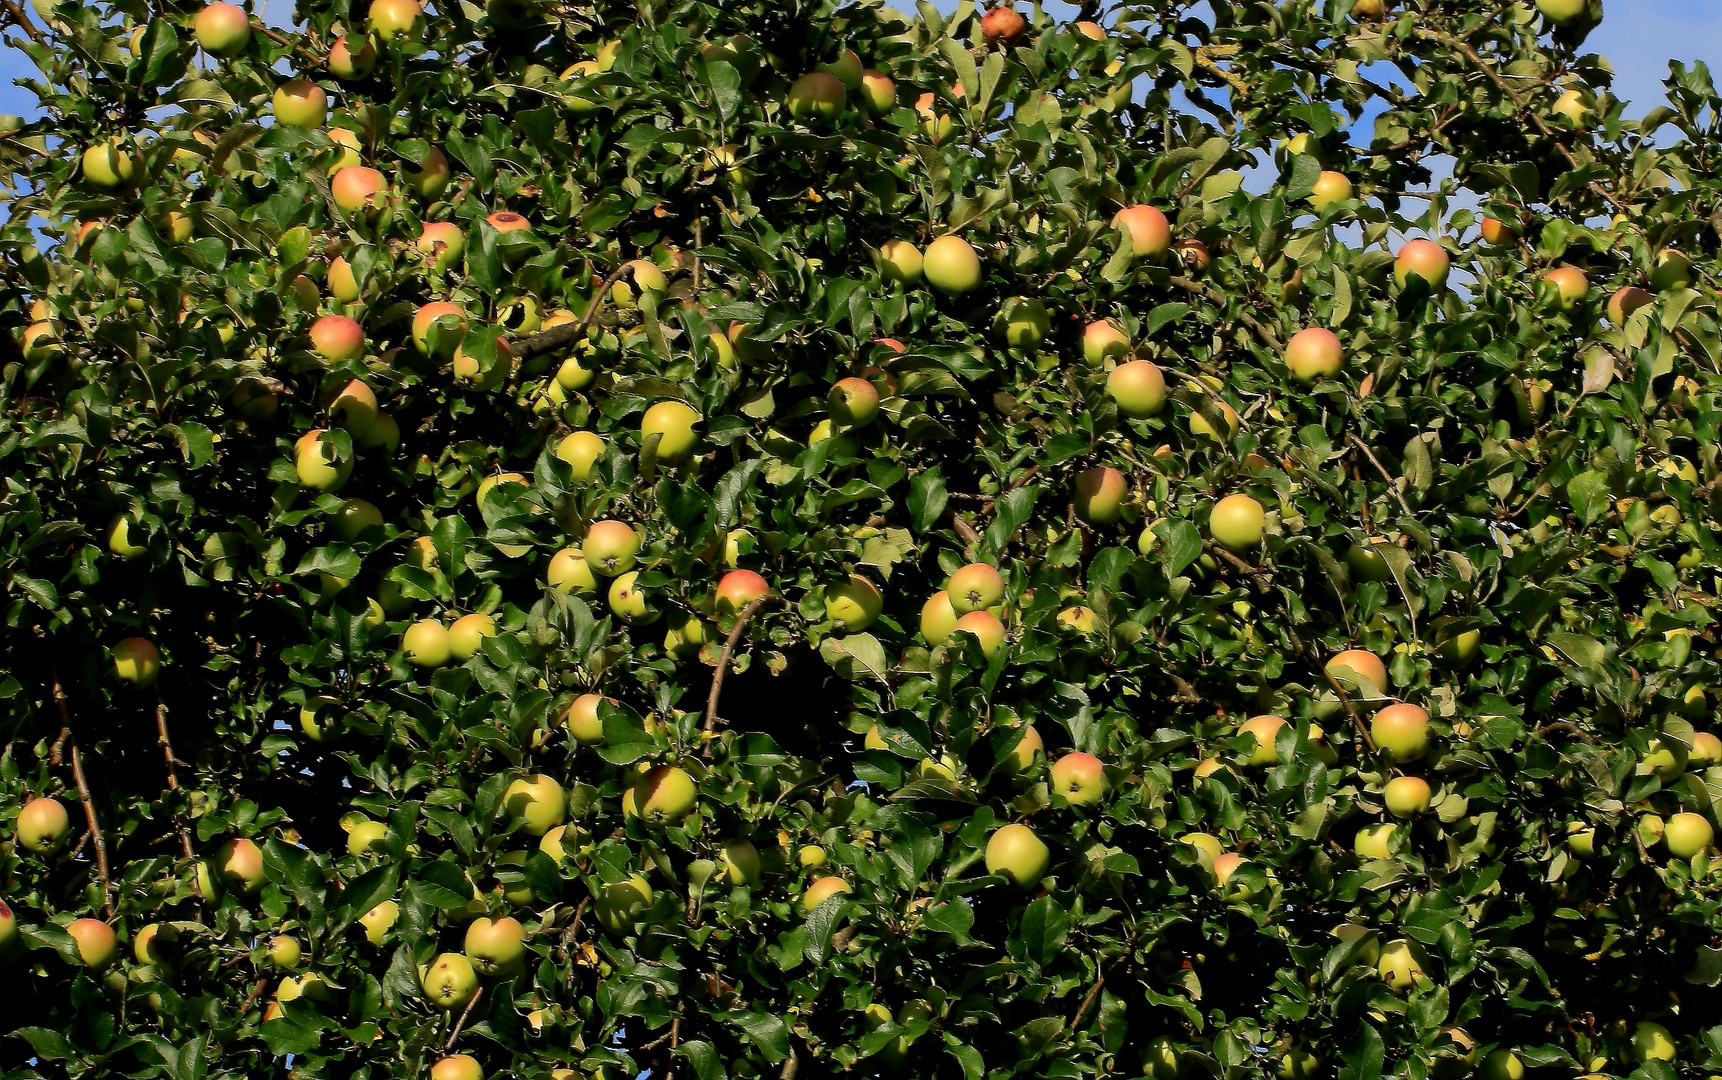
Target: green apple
391, 19
1024, 323
628, 601
121, 541
108, 166
1019, 855
428, 177
457, 1067
853, 604
568, 573
450, 323
42, 825
136, 661
1400, 964
620, 903
582, 720
1406, 796
1561, 12
817, 96
497, 946
975, 587
350, 66
673, 422
847, 68
664, 794
317, 464
222, 29
740, 861
240, 863
1236, 523
379, 921
285, 952
951, 266
1653, 1042
853, 403
367, 838
1686, 834
353, 518
537, 802
1330, 188
581, 450
426, 644
900, 261
300, 103
1265, 729
1105, 340
1374, 842
938, 618
450, 981
466, 635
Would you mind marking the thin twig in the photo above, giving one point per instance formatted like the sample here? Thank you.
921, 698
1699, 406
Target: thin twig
56, 756
723, 668
172, 770
458, 1024
1352, 438
22, 21
557, 336
84, 797
1269, 338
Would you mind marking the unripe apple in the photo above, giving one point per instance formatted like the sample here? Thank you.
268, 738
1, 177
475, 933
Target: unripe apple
450, 981
580, 449
1624, 302
136, 661
1098, 495
617, 905
1076, 780
466, 635
1497, 233
343, 285
1330, 187
664, 794
1358, 670
847, 69
1400, 964
457, 1067
610, 547
1314, 353
569, 573
537, 801
1402, 730
442, 244
108, 166
740, 861
240, 863
900, 261
379, 921
986, 628
739, 588
315, 462
817, 96
468, 369
1236, 522
1024, 323
1373, 842
938, 618
1266, 729
1001, 26
354, 408
853, 604
121, 541
284, 951
647, 278
1019, 855
1653, 1042
96, 941
1104, 340
1146, 229
222, 29
951, 266
812, 856
1423, 259
1204, 431
389, 19
356, 187
1687, 834
878, 92
428, 177
426, 644
1021, 758
1565, 287
300, 103
1561, 12
40, 341
353, 518
975, 587
853, 403
495, 947
1406, 796
347, 65
1137, 388
582, 720
42, 825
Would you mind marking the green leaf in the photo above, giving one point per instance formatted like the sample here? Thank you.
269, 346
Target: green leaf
927, 499
1045, 925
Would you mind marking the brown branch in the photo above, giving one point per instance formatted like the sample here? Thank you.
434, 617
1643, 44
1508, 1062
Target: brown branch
84, 796
458, 1024
172, 770
1269, 338
1093, 994
790, 1065
723, 668
22, 21
56, 756
557, 336
251, 998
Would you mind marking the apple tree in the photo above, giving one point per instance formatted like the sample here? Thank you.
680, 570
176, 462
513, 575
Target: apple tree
726, 538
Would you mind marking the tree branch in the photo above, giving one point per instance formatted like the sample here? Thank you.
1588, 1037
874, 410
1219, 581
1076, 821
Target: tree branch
1352, 438
458, 1024
723, 668
22, 21
557, 336
67, 737
172, 770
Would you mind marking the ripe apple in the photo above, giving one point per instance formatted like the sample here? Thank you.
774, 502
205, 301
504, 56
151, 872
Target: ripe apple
847, 69
1497, 233
975, 587
136, 661
42, 825
1225, 865
951, 265
900, 261
379, 921
1098, 495
581, 450
1400, 964
1373, 842
938, 618
1002, 25
450, 981
347, 65
1330, 188
610, 547
1236, 522
1565, 287
582, 720
222, 29
1204, 431
1561, 12
97, 943
240, 863
337, 338
1314, 353
1422, 259
618, 904
986, 628
1358, 670
739, 588
450, 323
1652, 1042
816, 96
878, 92
1192, 255
1076, 779
740, 861
389, 19
664, 794
1078, 618
853, 403
1706, 749
426, 644
343, 285
315, 462
1266, 729
457, 1067
495, 947
40, 341
468, 370
428, 177
300, 103
466, 635
1017, 853
109, 167
1102, 341
356, 187
1368, 9
1147, 230
853, 604
1137, 388
568, 573
1021, 758
1024, 324
1687, 834
822, 890
537, 801
1406, 796
1402, 730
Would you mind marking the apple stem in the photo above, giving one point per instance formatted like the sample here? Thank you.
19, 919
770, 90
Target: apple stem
71, 740
723, 669
172, 768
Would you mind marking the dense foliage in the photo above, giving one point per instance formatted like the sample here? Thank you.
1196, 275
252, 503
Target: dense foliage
607, 670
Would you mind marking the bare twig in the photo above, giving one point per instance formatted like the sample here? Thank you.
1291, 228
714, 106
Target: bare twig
741, 622
1352, 438
172, 769
101, 845
558, 336
458, 1024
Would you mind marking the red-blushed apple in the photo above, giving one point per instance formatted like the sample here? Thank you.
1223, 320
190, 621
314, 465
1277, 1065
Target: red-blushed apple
300, 103
1401, 729
1706, 749
610, 547
1314, 353
391, 19
356, 187
664, 794
1077, 779
816, 96
442, 243
1001, 26
935, 126
1497, 233
1400, 964
222, 29
1358, 670
42, 825
568, 573
450, 322
1330, 188
507, 221
428, 177
938, 618
316, 463
96, 941
425, 644
1024, 323
878, 92
1104, 340
582, 720
900, 261
1192, 255
468, 370
240, 864
986, 628
853, 604
1624, 302
466, 635
1137, 388
1565, 287
1225, 865
350, 66
581, 450
449, 981
343, 284
951, 266
822, 890
537, 802
1015, 852
1686, 834
348, 153
495, 946
852, 402
1098, 495
457, 1066
337, 338
1265, 729
1423, 259
136, 661
974, 587
1406, 796
1236, 522
739, 588
1146, 229
847, 69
